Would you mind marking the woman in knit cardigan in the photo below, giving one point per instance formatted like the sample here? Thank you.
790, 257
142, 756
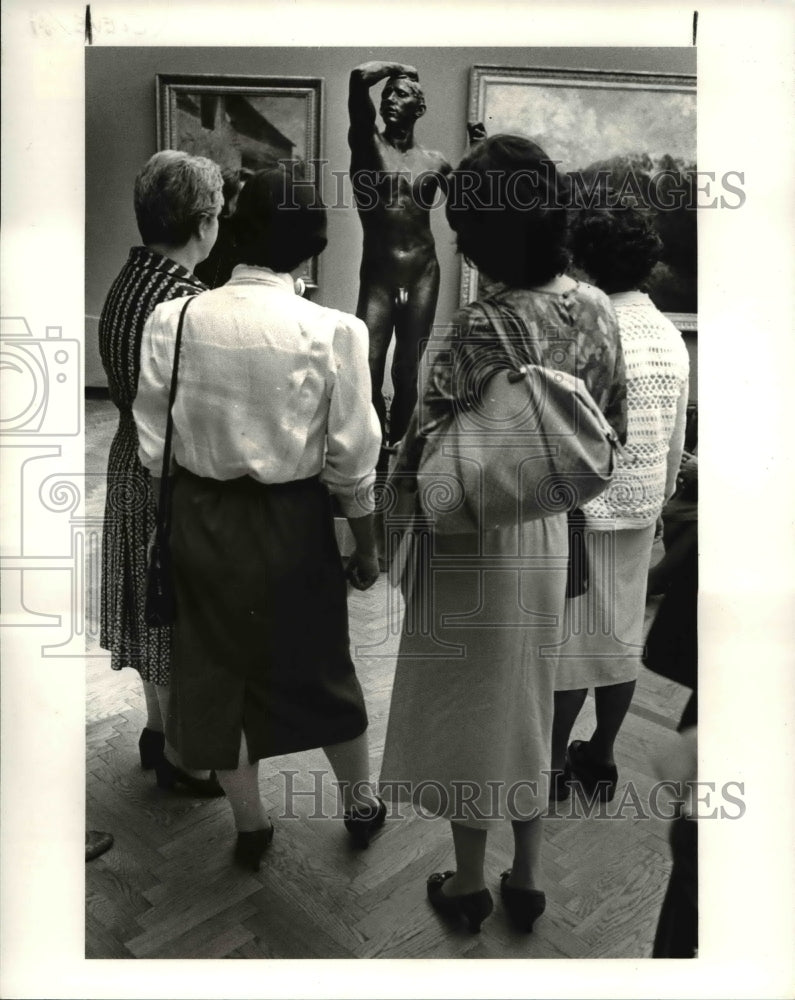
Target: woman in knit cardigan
618, 248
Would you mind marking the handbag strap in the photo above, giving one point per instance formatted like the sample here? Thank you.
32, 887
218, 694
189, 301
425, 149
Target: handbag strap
164, 500
497, 320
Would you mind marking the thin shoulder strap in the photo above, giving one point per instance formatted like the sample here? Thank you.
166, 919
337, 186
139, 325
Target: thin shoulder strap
164, 501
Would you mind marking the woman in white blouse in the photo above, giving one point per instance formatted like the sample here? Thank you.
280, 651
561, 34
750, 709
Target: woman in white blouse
272, 415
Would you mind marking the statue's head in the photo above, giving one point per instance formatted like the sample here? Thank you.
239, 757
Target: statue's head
402, 101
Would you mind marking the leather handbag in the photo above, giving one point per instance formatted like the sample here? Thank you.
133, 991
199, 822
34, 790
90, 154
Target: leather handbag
160, 607
532, 444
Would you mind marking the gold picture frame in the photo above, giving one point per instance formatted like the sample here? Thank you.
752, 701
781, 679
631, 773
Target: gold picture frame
245, 122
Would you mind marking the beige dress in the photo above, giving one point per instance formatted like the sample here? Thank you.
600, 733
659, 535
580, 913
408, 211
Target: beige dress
603, 629
471, 714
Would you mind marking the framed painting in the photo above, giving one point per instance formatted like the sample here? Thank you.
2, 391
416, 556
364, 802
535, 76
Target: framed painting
638, 130
244, 123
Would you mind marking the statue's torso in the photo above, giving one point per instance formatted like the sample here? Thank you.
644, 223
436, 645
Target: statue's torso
394, 191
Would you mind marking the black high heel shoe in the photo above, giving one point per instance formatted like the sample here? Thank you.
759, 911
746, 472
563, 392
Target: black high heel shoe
250, 847
151, 745
593, 776
523, 906
474, 907
361, 824
169, 776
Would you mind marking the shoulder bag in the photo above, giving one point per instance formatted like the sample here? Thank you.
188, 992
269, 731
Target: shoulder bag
533, 444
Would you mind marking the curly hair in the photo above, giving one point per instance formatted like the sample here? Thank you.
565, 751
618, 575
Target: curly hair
172, 191
618, 247
507, 206
279, 221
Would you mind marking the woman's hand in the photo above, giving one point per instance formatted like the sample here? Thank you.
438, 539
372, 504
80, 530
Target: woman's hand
688, 471
362, 570
476, 132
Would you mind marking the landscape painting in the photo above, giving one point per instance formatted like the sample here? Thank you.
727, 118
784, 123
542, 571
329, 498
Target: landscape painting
637, 129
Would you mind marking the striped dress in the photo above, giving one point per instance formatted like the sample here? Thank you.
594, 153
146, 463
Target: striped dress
146, 280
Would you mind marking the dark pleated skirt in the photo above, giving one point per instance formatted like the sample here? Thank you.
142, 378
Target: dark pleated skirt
261, 640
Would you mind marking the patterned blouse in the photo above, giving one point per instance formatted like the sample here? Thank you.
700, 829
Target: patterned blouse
574, 331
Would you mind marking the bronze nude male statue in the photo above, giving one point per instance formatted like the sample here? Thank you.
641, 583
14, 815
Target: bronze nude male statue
395, 182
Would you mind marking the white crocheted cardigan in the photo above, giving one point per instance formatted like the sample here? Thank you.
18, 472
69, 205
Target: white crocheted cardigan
657, 367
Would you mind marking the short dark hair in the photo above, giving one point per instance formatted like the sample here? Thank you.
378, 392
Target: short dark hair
618, 247
172, 191
279, 221
507, 206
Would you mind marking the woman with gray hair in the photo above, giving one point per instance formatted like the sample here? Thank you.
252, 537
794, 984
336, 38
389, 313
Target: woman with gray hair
177, 201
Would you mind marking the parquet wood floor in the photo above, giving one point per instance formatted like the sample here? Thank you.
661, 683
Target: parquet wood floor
167, 888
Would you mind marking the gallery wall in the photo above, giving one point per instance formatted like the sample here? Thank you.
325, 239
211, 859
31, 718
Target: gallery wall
121, 134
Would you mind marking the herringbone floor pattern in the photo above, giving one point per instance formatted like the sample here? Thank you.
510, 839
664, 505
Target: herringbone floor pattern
168, 889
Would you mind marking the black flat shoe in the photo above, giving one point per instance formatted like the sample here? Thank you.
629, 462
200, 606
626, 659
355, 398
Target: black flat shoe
169, 776
97, 843
474, 907
594, 777
361, 824
250, 847
523, 906
151, 745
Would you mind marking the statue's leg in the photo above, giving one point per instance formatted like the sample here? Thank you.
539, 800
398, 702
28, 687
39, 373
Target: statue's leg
375, 307
413, 324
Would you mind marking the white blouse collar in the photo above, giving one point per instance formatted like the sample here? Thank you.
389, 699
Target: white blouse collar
248, 273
